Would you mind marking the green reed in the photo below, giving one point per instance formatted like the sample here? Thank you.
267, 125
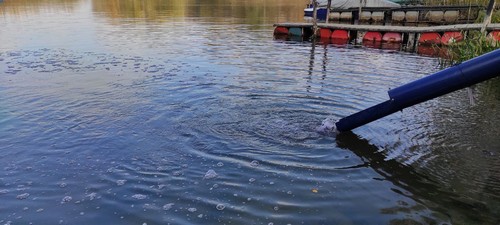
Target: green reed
475, 44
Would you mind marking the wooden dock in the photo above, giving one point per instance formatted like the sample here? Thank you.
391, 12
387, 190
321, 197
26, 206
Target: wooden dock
410, 37
401, 29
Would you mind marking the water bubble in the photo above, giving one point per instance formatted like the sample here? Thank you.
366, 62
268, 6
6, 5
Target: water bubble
192, 209
168, 206
251, 180
177, 173
220, 164
120, 182
139, 196
254, 163
210, 175
23, 196
220, 207
66, 199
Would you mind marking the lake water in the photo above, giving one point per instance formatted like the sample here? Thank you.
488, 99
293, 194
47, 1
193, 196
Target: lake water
191, 112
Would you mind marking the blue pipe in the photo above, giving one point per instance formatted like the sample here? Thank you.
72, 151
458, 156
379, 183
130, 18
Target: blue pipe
446, 81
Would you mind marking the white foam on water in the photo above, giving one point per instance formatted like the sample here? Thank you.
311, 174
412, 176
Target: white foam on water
23, 196
211, 174
139, 196
327, 126
254, 163
91, 196
168, 206
220, 207
66, 199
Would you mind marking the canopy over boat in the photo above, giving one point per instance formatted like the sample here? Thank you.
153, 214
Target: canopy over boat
346, 4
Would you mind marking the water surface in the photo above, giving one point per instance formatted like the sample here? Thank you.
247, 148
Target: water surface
189, 112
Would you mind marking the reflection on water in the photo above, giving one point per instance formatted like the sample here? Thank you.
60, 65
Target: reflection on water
188, 112
421, 188
251, 12
25, 7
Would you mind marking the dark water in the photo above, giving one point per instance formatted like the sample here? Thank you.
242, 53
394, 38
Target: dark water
190, 112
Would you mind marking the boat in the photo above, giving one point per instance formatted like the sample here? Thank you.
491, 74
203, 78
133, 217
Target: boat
346, 5
320, 12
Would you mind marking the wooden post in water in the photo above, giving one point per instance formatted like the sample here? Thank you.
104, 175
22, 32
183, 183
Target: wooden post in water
328, 10
360, 9
487, 18
315, 18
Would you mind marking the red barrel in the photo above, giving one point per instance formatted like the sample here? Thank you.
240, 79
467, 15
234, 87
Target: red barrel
372, 36
340, 35
495, 35
280, 30
392, 37
430, 38
452, 37
325, 33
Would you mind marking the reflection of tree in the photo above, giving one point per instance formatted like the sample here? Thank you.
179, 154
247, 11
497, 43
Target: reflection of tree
151, 9
252, 11
18, 7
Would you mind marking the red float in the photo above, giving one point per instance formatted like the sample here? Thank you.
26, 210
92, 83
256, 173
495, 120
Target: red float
392, 37
372, 36
430, 38
281, 30
325, 33
452, 37
495, 35
340, 35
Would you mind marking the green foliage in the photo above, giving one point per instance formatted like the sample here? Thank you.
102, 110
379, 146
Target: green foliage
495, 17
474, 45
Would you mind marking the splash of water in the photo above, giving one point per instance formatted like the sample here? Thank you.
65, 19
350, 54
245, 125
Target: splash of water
327, 126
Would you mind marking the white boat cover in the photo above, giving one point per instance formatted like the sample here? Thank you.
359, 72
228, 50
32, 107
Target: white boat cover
346, 4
